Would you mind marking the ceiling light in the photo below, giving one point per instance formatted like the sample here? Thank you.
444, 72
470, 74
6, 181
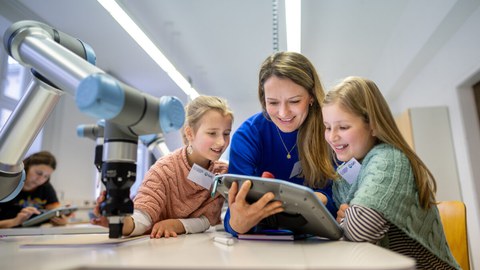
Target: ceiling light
146, 44
293, 17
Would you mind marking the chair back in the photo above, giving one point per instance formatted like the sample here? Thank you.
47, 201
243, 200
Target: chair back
454, 220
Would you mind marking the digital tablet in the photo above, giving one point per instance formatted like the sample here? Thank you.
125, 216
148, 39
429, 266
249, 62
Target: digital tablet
49, 214
304, 212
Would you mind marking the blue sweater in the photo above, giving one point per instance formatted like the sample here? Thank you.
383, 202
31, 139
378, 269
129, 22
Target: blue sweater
256, 147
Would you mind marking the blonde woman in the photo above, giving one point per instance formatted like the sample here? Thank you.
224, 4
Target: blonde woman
285, 139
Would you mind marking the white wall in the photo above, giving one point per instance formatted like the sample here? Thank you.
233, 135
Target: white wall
447, 80
74, 178
432, 138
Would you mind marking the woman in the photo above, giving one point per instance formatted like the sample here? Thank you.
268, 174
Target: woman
285, 139
37, 193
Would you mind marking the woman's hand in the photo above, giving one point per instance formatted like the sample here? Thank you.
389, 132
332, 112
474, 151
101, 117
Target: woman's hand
322, 197
220, 167
341, 212
167, 228
244, 216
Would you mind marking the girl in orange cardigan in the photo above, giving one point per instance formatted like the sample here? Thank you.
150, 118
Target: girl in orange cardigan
170, 200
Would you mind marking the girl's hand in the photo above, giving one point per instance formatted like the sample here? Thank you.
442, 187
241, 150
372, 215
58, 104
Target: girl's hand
128, 223
244, 216
25, 214
59, 221
167, 228
99, 219
220, 167
341, 212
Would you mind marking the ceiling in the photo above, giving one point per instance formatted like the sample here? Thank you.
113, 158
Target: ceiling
219, 44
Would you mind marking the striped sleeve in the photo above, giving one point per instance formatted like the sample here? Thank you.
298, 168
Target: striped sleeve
363, 224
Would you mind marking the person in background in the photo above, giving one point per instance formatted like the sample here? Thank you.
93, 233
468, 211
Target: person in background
173, 197
36, 195
391, 201
285, 141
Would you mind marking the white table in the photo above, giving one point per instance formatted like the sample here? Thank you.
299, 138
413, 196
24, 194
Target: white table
199, 251
80, 228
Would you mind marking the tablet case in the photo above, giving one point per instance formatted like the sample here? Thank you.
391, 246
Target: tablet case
304, 212
46, 216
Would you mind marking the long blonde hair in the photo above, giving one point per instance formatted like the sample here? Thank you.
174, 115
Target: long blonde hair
313, 150
362, 97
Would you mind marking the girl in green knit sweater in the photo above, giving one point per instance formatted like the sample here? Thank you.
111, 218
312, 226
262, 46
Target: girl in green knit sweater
386, 194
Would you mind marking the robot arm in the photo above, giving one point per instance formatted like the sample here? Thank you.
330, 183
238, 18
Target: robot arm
96, 133
128, 113
155, 143
40, 98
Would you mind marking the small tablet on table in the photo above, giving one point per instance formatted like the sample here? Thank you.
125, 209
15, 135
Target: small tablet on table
49, 214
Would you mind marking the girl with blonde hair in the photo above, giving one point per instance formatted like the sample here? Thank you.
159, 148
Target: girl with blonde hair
170, 201
392, 199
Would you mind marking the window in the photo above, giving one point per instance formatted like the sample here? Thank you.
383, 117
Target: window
4, 114
14, 79
15, 74
12, 87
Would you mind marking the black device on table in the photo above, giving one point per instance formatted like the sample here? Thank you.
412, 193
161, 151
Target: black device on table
304, 212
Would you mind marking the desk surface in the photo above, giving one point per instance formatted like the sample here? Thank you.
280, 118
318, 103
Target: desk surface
82, 228
199, 251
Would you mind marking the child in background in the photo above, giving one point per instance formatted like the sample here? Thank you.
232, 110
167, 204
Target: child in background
392, 199
172, 199
37, 193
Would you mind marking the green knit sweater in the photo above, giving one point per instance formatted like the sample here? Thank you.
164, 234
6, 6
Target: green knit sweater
386, 184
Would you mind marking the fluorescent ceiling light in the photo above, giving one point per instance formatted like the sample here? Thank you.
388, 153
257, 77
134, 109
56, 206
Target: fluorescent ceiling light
293, 17
146, 44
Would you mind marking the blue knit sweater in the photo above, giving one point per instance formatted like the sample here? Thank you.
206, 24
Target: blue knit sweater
256, 147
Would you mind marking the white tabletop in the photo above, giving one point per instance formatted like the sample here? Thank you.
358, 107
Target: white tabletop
199, 251
47, 229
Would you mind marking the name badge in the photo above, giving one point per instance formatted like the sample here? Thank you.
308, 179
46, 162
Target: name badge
201, 176
349, 170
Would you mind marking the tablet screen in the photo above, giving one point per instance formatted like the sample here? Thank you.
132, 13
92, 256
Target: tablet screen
304, 212
49, 214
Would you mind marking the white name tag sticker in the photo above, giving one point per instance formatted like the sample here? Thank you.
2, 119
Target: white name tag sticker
201, 176
350, 170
